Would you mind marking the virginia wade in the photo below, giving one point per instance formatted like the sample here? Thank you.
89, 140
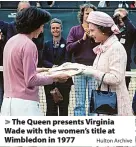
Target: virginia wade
122, 140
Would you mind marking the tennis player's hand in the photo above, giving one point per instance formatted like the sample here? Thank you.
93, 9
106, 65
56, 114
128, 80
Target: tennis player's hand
61, 78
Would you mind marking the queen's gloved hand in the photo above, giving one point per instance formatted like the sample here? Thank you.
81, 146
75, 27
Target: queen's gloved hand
88, 71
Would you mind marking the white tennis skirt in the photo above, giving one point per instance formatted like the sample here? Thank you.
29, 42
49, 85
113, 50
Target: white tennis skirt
19, 107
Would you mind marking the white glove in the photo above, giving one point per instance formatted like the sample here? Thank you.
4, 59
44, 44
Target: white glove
88, 71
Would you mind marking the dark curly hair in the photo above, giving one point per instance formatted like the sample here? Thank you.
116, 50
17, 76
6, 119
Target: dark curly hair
81, 12
30, 19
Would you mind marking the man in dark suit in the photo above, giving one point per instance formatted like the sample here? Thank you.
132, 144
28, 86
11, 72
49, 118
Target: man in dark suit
55, 54
3, 33
12, 31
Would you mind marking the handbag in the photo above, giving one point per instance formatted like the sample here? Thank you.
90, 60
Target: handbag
57, 96
103, 102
